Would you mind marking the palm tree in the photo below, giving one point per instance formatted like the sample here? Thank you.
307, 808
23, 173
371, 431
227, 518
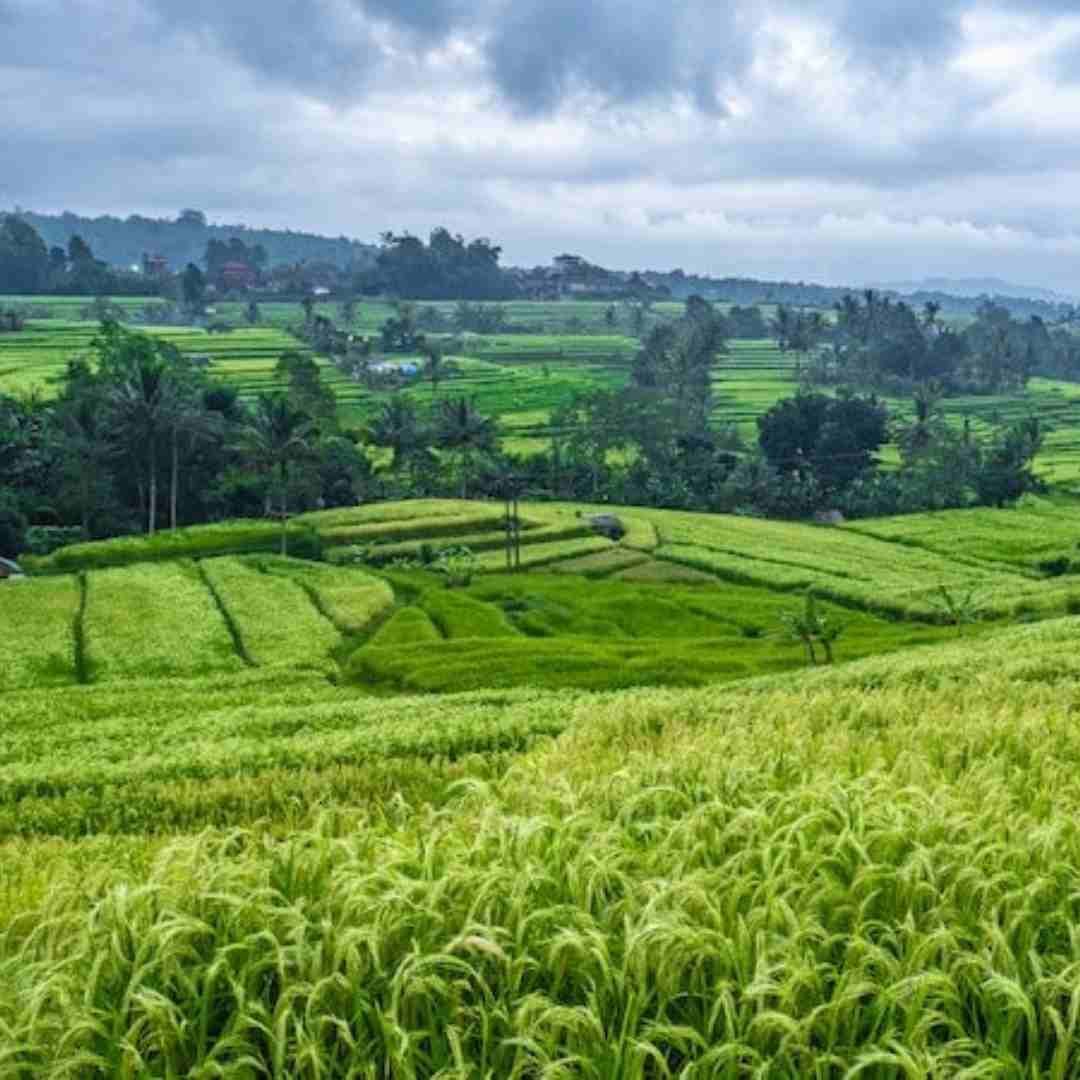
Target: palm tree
189, 418
85, 448
396, 426
434, 367
277, 436
143, 402
462, 427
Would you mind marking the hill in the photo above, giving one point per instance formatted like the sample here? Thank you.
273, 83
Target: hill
183, 240
264, 814
975, 287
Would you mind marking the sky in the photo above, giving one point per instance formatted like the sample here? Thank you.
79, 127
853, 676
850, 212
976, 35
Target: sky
839, 141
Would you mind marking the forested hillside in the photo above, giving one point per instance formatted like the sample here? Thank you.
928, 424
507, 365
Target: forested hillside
123, 241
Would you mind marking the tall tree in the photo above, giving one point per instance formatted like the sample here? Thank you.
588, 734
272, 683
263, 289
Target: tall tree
397, 427
463, 428
278, 436
142, 396
193, 287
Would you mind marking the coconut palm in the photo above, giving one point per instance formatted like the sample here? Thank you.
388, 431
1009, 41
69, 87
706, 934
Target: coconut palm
86, 448
276, 437
143, 401
397, 427
462, 427
434, 368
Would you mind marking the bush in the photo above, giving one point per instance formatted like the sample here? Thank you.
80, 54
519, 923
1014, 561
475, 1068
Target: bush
1072, 604
458, 566
307, 544
45, 539
1055, 567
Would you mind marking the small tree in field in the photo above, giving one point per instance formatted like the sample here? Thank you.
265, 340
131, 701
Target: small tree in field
956, 608
812, 627
457, 565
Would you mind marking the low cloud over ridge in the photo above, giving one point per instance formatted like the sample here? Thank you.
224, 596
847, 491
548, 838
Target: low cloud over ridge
720, 136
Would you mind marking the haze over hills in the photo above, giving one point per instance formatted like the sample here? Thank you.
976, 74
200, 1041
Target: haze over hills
972, 287
122, 242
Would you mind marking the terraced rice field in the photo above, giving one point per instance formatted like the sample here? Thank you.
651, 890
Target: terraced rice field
555, 823
522, 378
510, 879
35, 359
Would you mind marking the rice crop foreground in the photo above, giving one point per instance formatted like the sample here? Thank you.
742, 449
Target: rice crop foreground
868, 871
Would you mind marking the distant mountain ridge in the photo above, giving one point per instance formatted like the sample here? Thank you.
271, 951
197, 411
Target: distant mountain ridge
973, 287
183, 240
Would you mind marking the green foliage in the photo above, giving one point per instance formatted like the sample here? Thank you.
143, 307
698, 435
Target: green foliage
957, 608
458, 615
833, 439
13, 525
811, 627
195, 541
457, 565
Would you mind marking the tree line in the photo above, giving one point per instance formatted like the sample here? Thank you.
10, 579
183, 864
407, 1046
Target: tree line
879, 343
28, 267
144, 437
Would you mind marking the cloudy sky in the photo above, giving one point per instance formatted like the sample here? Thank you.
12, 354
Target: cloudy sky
840, 141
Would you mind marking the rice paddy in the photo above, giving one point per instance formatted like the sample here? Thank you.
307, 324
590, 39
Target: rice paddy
870, 870
268, 817
520, 378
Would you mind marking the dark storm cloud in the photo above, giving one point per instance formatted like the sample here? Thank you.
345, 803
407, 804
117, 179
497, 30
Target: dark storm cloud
633, 129
890, 36
320, 47
625, 50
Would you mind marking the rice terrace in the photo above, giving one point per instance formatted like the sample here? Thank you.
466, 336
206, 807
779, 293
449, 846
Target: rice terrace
568, 568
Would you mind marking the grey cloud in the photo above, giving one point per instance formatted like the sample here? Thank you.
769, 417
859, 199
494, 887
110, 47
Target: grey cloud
625, 50
430, 19
890, 36
322, 46
161, 110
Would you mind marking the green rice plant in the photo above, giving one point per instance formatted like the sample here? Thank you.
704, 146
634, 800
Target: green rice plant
663, 571
407, 626
349, 598
491, 540
37, 617
275, 618
154, 620
862, 870
390, 532
544, 554
159, 770
1037, 531
195, 541
601, 563
458, 615
467, 664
